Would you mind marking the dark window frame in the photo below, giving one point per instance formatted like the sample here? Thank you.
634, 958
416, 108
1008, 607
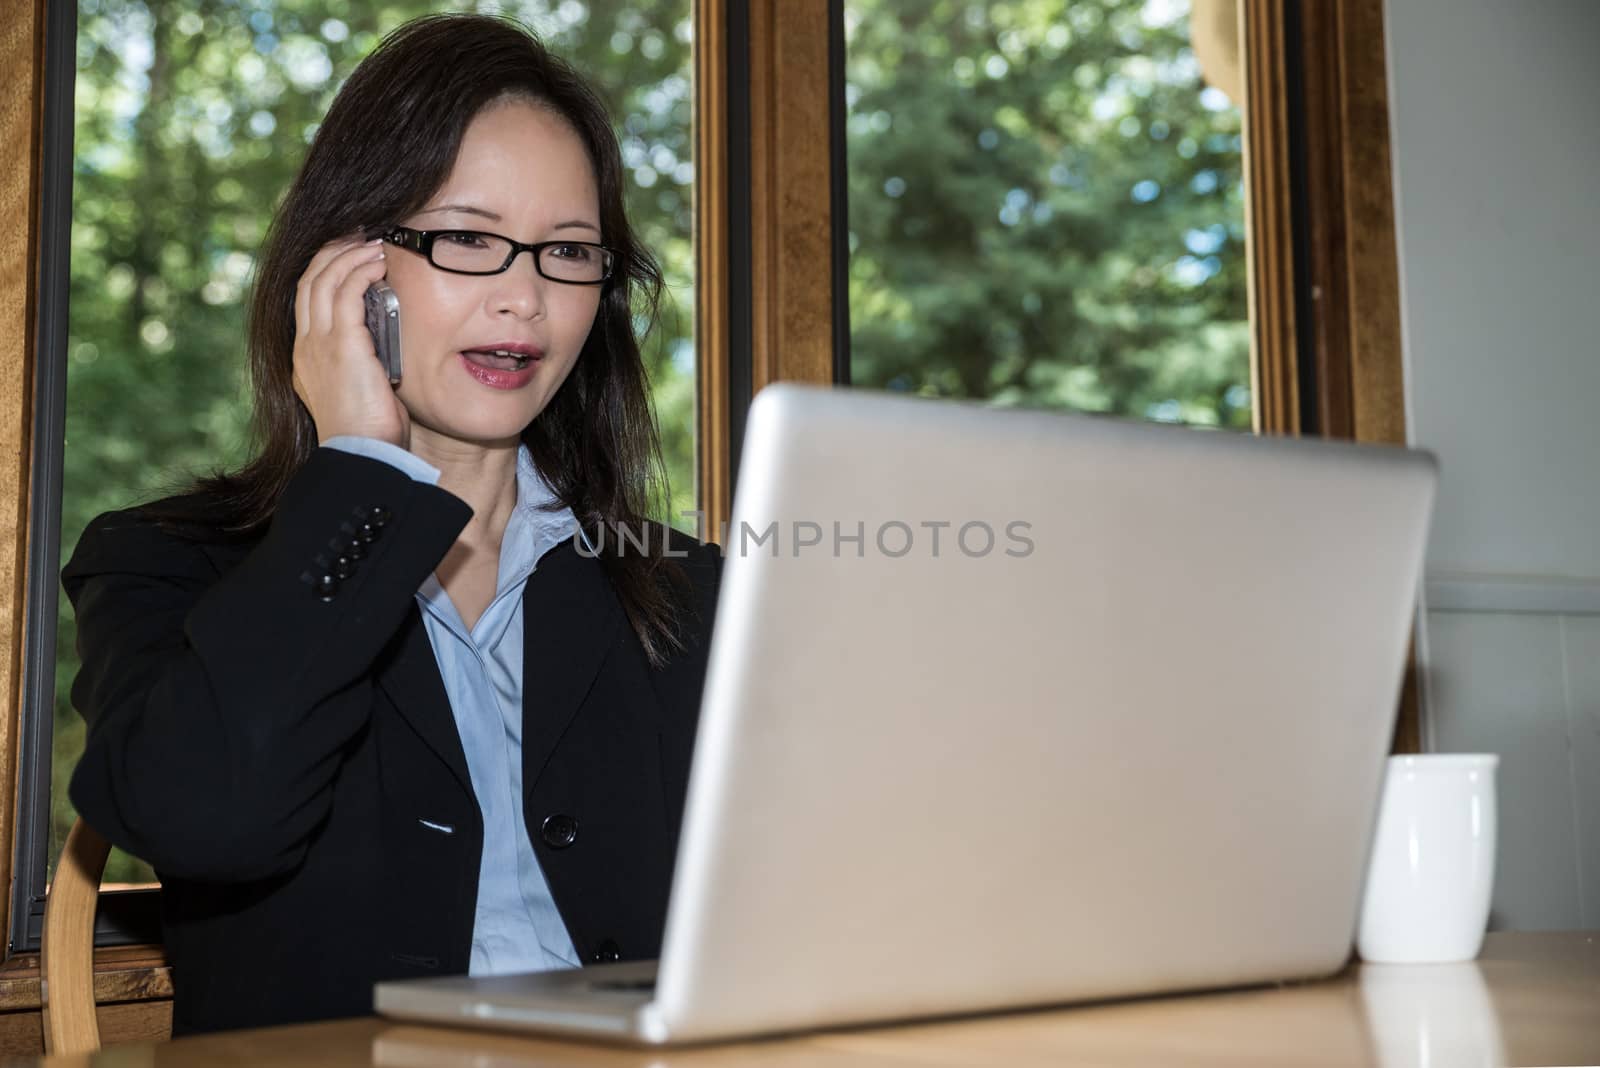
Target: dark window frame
125, 917
44, 510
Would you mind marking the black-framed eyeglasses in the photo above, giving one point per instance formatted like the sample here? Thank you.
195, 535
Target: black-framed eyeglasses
578, 263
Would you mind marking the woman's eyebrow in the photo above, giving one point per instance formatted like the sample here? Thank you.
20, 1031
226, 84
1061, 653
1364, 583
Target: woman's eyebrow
464, 208
570, 224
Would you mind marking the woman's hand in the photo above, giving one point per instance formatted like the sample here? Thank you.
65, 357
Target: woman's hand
336, 370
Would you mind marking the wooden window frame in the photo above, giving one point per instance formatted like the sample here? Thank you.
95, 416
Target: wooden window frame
769, 183
21, 124
1324, 277
769, 187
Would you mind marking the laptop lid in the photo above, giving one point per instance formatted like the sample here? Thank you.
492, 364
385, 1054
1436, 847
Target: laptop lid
1009, 708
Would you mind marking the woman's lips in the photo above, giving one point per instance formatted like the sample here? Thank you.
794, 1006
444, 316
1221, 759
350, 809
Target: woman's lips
499, 377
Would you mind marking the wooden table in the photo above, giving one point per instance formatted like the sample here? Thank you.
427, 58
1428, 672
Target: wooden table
1530, 999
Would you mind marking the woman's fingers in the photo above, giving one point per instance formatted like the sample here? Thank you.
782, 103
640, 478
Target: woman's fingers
325, 286
303, 317
348, 301
334, 373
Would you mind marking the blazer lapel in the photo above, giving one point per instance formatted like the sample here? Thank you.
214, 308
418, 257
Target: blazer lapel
570, 620
411, 679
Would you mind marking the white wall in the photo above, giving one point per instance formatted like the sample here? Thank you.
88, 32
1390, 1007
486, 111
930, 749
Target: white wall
1495, 110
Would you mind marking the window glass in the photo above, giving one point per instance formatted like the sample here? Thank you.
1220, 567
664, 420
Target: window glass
188, 128
1046, 208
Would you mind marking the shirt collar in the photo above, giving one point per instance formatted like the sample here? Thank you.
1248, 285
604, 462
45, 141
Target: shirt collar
533, 529
531, 532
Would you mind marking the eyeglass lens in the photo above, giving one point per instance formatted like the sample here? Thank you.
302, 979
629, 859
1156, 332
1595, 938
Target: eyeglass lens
565, 261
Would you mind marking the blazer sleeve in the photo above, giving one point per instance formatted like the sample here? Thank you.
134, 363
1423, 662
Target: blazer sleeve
218, 705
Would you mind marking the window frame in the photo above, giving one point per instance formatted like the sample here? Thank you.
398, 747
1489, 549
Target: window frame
136, 974
49, 383
127, 917
21, 122
768, 207
1356, 341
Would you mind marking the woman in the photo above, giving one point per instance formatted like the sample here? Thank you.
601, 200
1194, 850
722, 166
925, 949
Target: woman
415, 691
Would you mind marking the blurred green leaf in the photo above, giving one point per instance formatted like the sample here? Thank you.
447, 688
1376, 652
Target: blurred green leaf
1046, 208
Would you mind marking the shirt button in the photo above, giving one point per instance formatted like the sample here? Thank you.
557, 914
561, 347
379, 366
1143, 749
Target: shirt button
559, 831
325, 587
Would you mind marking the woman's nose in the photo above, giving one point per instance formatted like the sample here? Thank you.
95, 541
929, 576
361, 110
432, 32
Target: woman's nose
520, 288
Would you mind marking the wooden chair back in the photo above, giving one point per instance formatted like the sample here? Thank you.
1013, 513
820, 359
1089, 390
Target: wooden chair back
66, 963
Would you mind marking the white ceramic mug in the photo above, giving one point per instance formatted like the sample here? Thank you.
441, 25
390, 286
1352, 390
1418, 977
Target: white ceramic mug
1432, 867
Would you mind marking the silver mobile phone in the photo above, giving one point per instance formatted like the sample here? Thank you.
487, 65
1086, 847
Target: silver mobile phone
383, 323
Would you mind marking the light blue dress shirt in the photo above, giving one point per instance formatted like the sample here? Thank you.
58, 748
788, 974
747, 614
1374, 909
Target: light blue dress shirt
516, 927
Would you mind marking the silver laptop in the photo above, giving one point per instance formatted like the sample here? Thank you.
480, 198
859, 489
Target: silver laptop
1012, 709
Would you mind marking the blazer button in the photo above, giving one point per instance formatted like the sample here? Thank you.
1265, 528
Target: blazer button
559, 831
607, 952
325, 587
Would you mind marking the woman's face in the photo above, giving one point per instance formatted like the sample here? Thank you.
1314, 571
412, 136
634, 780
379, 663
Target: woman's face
522, 172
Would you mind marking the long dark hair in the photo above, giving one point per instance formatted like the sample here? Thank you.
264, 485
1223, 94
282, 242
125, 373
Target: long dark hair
387, 144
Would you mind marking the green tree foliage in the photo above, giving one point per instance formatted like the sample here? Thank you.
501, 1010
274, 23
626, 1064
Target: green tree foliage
1046, 208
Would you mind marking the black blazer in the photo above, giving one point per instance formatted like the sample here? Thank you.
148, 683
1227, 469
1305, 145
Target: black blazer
273, 753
